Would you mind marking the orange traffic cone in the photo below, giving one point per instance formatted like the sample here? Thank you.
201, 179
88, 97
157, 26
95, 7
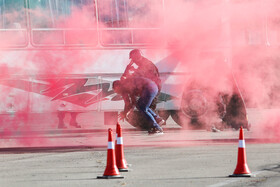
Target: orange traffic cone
241, 169
121, 162
111, 171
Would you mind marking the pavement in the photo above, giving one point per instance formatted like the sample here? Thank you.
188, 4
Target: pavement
204, 165
46, 156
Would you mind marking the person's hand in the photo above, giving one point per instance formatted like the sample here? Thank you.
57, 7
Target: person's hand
122, 116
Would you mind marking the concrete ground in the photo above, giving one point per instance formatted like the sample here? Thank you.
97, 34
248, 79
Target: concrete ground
177, 158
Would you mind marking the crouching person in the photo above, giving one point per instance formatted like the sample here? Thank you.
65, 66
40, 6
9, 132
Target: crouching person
146, 90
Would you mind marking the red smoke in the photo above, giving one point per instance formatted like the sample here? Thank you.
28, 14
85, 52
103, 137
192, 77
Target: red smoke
211, 39
267, 127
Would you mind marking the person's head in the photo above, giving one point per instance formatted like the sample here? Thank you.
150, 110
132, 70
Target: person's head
135, 55
117, 86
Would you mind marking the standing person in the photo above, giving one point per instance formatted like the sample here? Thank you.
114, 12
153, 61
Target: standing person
146, 90
140, 66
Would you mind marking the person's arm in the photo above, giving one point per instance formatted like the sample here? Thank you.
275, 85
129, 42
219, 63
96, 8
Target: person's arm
133, 101
128, 105
126, 71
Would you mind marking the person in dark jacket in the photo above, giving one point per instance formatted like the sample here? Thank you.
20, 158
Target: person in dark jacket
140, 66
146, 90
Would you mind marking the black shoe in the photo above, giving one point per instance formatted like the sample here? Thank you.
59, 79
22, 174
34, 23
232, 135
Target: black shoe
155, 131
61, 126
214, 129
75, 124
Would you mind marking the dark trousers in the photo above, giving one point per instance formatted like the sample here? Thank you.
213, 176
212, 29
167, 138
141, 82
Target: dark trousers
145, 101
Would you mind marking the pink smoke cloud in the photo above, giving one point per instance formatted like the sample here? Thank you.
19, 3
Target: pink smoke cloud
212, 39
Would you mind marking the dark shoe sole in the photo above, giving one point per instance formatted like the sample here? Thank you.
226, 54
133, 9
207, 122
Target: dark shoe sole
75, 125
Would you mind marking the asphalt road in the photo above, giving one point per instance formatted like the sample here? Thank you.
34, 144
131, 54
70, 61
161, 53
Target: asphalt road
205, 165
177, 158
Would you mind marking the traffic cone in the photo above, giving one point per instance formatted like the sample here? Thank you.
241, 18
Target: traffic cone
121, 162
111, 171
241, 169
